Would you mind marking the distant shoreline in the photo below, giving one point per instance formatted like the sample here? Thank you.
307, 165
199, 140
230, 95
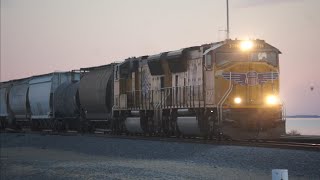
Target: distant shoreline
303, 116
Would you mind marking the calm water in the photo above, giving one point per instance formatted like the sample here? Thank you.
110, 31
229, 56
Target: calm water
306, 126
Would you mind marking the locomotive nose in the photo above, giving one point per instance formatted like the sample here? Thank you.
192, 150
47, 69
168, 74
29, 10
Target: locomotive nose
255, 83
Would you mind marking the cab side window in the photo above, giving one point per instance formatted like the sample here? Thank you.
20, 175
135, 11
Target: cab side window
208, 61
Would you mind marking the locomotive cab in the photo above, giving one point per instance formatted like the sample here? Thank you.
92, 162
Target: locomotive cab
246, 76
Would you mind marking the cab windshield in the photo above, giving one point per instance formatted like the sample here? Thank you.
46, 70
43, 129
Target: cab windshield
269, 57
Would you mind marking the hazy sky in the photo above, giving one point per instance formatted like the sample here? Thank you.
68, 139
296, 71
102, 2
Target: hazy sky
40, 36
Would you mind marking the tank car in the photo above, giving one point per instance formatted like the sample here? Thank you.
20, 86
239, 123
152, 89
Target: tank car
228, 89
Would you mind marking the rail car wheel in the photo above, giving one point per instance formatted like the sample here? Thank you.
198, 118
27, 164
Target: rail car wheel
169, 124
215, 129
56, 125
35, 125
83, 125
2, 123
173, 129
66, 125
165, 123
61, 126
74, 124
149, 124
115, 125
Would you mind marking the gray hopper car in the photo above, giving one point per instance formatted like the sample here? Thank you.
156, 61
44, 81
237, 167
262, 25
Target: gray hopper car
32, 102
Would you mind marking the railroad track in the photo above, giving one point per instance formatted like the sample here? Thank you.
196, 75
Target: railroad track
250, 143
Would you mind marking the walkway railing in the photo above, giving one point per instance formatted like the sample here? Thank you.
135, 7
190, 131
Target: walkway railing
173, 97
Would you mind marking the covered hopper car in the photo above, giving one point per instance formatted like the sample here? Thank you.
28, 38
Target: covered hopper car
4, 111
31, 101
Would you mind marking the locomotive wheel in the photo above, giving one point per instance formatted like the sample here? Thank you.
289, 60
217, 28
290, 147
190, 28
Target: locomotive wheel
2, 124
66, 126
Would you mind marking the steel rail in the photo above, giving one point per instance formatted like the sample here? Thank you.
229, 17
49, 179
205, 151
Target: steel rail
279, 144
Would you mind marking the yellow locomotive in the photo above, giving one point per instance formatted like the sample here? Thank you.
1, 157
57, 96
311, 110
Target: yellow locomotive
247, 86
228, 88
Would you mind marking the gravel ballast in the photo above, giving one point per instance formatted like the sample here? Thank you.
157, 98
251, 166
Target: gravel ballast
33, 156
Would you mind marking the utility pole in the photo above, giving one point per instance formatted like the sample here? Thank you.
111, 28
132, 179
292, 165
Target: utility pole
228, 30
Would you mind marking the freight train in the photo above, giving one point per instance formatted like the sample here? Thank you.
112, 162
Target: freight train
223, 89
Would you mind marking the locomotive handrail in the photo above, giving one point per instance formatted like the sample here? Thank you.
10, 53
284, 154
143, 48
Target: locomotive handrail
187, 96
284, 113
221, 104
222, 100
163, 99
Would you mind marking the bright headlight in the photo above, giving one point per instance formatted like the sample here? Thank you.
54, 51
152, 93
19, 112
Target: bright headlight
246, 45
237, 100
272, 100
